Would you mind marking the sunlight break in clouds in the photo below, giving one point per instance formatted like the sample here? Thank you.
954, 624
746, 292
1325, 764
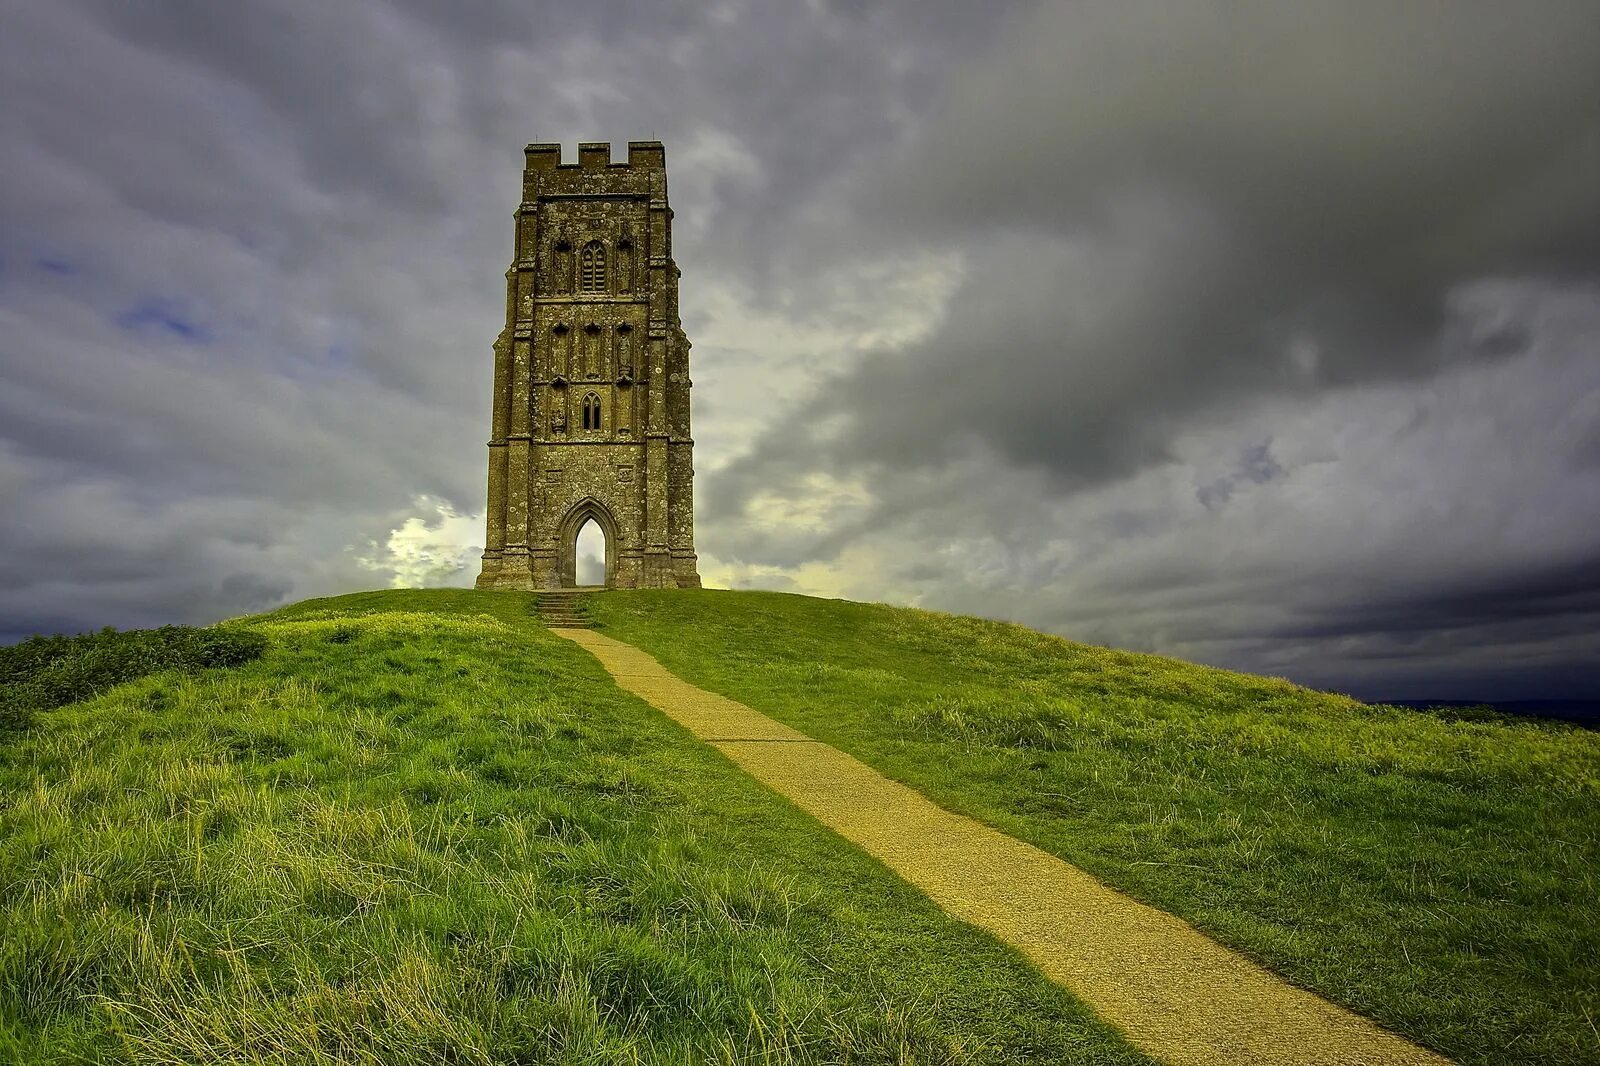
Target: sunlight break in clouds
434, 547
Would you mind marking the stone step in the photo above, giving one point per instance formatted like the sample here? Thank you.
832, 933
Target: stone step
562, 608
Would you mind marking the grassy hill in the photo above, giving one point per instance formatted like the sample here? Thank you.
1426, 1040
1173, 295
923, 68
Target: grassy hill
419, 828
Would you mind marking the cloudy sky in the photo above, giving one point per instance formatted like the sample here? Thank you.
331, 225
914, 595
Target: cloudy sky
1261, 334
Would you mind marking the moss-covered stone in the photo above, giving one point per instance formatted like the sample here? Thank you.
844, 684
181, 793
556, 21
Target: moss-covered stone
591, 382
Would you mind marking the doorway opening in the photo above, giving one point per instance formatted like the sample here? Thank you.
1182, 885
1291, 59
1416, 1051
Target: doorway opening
586, 546
591, 554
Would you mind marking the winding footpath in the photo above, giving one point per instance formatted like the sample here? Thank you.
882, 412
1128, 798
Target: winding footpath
1177, 995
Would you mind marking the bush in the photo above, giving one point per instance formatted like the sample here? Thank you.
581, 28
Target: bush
45, 672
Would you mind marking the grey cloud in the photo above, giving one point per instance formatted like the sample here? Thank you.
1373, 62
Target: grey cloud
1169, 206
1255, 466
1312, 134
1399, 539
254, 592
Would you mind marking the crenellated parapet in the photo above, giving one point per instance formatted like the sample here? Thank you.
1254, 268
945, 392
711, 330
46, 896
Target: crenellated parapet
596, 155
642, 174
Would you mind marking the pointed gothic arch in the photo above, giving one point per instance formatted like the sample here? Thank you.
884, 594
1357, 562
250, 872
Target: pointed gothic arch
584, 511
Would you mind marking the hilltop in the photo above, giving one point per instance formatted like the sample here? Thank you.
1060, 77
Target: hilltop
421, 828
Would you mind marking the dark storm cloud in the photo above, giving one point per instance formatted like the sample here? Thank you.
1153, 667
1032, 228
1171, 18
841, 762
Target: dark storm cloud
1170, 206
1561, 596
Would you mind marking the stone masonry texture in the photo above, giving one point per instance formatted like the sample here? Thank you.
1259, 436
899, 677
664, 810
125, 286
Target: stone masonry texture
590, 419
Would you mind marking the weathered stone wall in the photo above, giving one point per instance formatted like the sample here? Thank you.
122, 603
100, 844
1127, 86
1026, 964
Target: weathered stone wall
590, 418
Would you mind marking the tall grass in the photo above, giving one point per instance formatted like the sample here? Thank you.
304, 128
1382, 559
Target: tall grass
444, 836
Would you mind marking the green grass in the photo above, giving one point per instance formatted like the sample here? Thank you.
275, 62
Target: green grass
1439, 875
421, 829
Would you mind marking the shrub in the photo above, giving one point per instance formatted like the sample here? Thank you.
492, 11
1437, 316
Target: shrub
45, 672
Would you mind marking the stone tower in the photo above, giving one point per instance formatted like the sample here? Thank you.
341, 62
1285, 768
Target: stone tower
591, 380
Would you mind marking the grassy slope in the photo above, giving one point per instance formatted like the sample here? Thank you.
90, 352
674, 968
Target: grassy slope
1438, 875
444, 837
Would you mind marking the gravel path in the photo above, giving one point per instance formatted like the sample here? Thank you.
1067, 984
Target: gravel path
1177, 995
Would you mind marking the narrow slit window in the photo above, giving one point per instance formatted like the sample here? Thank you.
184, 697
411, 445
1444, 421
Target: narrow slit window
592, 267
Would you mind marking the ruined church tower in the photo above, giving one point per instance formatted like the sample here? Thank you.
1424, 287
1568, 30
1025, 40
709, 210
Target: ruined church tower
591, 380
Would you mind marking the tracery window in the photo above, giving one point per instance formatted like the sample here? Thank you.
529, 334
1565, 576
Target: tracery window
591, 411
592, 267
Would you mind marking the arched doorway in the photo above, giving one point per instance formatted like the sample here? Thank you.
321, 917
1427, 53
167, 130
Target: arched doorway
591, 520
590, 550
